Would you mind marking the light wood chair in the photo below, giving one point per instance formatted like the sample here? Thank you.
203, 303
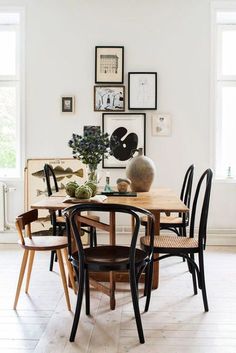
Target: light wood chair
31, 244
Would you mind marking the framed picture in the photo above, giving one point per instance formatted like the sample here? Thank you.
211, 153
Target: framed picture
142, 93
67, 104
161, 124
109, 64
127, 133
109, 98
65, 169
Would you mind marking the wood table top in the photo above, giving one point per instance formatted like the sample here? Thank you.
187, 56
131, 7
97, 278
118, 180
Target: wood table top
160, 199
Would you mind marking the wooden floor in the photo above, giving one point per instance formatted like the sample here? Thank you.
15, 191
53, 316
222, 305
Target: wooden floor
175, 323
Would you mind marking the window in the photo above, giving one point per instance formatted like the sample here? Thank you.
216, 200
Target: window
224, 87
10, 93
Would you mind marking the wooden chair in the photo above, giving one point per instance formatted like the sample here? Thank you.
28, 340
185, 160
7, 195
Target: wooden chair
177, 223
107, 258
57, 220
187, 247
31, 244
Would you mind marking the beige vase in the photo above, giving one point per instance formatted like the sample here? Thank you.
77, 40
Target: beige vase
141, 171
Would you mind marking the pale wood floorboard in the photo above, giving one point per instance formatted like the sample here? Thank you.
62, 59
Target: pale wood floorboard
175, 323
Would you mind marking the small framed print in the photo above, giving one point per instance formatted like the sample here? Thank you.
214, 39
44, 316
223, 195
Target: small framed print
142, 92
127, 133
161, 124
109, 64
67, 104
109, 98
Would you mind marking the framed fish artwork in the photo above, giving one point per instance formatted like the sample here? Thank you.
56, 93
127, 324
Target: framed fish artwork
65, 169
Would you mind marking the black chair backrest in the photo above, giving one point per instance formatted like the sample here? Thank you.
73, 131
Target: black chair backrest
186, 190
203, 211
50, 176
71, 214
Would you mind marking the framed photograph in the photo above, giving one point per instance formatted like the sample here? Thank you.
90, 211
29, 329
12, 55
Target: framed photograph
127, 133
142, 92
109, 98
109, 64
67, 104
161, 124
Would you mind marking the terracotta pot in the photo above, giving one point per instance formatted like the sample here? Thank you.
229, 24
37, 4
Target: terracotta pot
141, 171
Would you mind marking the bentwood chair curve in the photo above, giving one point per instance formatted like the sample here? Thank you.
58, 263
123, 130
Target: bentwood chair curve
33, 242
108, 258
57, 220
187, 247
178, 223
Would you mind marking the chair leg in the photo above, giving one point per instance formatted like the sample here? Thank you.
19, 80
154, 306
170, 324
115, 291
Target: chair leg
134, 294
203, 284
193, 273
80, 279
30, 265
21, 276
94, 236
51, 260
87, 293
63, 277
148, 283
70, 270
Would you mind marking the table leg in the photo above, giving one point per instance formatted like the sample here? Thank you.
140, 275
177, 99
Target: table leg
112, 234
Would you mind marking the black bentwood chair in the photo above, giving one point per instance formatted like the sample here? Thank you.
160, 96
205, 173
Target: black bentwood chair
57, 220
178, 223
108, 258
187, 247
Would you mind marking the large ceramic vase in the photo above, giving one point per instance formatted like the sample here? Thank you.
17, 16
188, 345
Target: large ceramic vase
141, 171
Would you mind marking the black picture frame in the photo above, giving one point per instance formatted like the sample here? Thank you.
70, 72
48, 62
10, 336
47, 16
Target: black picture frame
109, 98
142, 90
67, 104
127, 132
109, 64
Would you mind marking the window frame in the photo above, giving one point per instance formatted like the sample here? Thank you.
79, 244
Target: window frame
218, 80
17, 81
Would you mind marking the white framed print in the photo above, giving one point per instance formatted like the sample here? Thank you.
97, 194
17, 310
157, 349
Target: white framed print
161, 124
127, 133
142, 90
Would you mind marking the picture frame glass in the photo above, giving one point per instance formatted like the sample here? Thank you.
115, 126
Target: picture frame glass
109, 64
127, 133
109, 98
142, 92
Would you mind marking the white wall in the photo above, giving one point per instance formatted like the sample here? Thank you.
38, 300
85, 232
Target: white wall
167, 36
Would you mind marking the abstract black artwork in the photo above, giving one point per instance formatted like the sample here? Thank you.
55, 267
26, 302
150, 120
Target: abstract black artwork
127, 134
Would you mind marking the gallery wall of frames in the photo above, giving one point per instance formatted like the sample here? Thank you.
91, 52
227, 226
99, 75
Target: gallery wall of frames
112, 98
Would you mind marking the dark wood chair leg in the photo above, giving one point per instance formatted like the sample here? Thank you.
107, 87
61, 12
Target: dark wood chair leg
87, 293
148, 282
202, 279
193, 273
134, 294
80, 279
53, 253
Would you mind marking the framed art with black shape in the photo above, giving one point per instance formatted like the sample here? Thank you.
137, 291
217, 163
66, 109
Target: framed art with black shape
127, 133
142, 91
109, 64
109, 98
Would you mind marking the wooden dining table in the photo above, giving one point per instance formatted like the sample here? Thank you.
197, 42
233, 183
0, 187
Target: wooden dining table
156, 201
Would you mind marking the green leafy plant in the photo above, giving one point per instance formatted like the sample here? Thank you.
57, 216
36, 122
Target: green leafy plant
91, 147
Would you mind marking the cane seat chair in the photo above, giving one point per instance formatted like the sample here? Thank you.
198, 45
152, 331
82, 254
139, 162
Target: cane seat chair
32, 244
107, 258
177, 223
57, 220
187, 247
